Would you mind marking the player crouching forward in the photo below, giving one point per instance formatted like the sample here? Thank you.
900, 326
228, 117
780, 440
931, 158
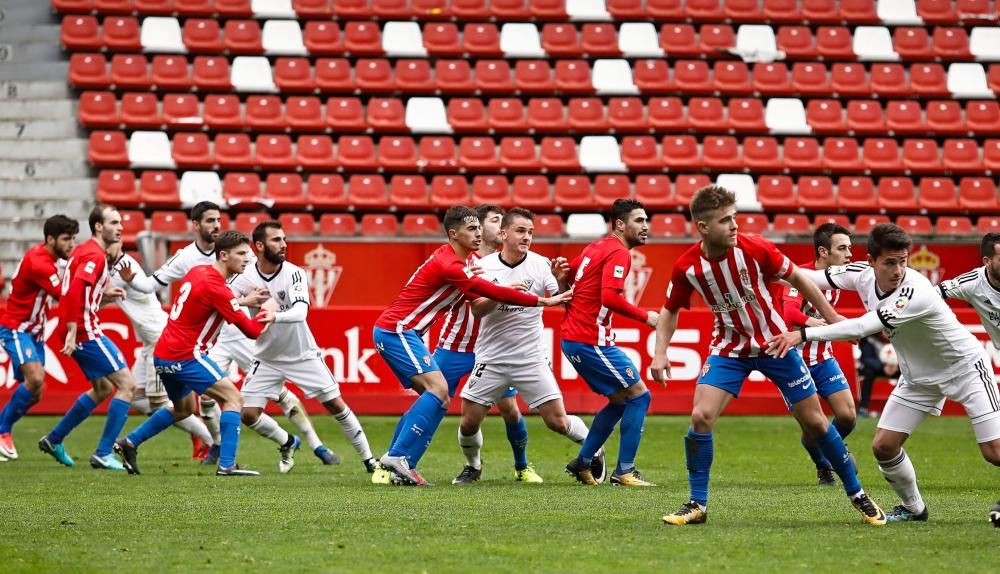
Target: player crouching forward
288, 350
203, 304
509, 350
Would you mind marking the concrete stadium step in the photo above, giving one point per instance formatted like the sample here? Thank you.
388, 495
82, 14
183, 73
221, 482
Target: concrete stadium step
57, 89
21, 229
37, 71
43, 149
38, 109
25, 12
30, 51
48, 33
39, 129
61, 189
45, 169
15, 209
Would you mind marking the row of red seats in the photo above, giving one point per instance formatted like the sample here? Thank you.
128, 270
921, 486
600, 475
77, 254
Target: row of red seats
566, 192
140, 110
731, 77
820, 11
546, 225
483, 39
560, 154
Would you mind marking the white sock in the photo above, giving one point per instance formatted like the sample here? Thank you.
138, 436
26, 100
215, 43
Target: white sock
471, 445
268, 428
210, 414
195, 426
577, 429
296, 413
141, 404
899, 473
353, 432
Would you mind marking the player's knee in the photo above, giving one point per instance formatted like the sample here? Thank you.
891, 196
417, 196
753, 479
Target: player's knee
249, 417
468, 427
701, 420
559, 424
991, 452
884, 450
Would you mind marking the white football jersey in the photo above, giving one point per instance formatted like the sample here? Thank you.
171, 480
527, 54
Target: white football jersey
512, 334
142, 309
930, 342
975, 288
181, 262
288, 286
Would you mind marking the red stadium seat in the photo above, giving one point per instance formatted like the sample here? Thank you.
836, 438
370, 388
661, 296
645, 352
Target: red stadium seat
414, 76
599, 40
233, 151
432, 9
681, 152
491, 189
650, 76
991, 155
810, 78
803, 154
692, 76
391, 9
407, 191
98, 110
362, 38
242, 37
915, 224
192, 150
627, 114
704, 9
442, 39
117, 187
797, 42
223, 112
108, 149
396, 153
159, 189
640, 153
771, 78
478, 154
707, 114
438, 154
304, 113
850, 79
322, 38
988, 224
559, 154
352, 9
864, 224
781, 10
379, 225
826, 116
547, 115
587, 115
493, 76
951, 43
685, 187
548, 226
532, 192
333, 75
721, 153
367, 191
792, 224
325, 191
88, 71
977, 194
763, 153
573, 77
834, 43
752, 223
448, 190
356, 153
247, 222
948, 225
199, 8
519, 154
337, 224
904, 116
233, 8
860, 11
169, 222
962, 156
668, 225
835, 218
717, 39
856, 194
203, 35
912, 43
130, 71
298, 224
573, 192
929, 80
315, 152
666, 114
507, 115
211, 73
242, 190
547, 9
897, 194
171, 73
481, 40
841, 154
627, 9
608, 188
776, 193
655, 192
938, 194
866, 116
816, 193
467, 114
921, 155
133, 223
121, 34
265, 113
285, 190
421, 225
453, 76
373, 75
665, 9
293, 75
982, 117
881, 155
345, 114
747, 114
561, 40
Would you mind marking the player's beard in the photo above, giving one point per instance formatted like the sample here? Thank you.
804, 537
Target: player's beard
209, 236
273, 257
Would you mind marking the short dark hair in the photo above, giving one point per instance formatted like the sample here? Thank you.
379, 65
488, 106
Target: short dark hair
987, 247
58, 225
229, 240
456, 215
887, 237
710, 198
485, 209
260, 232
823, 237
508, 217
622, 207
97, 215
201, 207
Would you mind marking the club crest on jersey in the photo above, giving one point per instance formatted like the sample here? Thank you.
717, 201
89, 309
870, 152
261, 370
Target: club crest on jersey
427, 360
27, 353
744, 276
281, 295
323, 273
704, 369
900, 303
629, 373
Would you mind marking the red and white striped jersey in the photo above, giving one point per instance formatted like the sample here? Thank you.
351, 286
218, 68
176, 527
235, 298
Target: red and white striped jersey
33, 289
83, 286
461, 327
813, 352
203, 304
735, 287
437, 285
604, 264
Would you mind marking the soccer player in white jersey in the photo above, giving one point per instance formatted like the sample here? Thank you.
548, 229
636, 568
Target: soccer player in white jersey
232, 346
149, 320
938, 357
510, 351
980, 287
288, 350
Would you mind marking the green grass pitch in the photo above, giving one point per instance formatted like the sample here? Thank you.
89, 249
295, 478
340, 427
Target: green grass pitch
765, 515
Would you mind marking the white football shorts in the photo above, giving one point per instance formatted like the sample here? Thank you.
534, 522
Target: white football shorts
534, 381
265, 380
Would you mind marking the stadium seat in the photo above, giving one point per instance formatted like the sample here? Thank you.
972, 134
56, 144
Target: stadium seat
356, 153
651, 76
938, 194
337, 224
801, 154
627, 114
442, 39
265, 113
929, 80
654, 191
721, 153
233, 8
949, 225
776, 193
285, 190
211, 73
191, 150
897, 194
904, 117
826, 116
233, 151
792, 224
304, 113
559, 154
863, 224
326, 191
609, 187
121, 34
561, 40
247, 222
482, 40
915, 224
203, 36
108, 149
983, 117
572, 192
991, 155
397, 153
133, 223
533, 77
977, 194
453, 76
438, 154
159, 189
855, 194
988, 224
962, 156
315, 152
98, 110
532, 192
549, 226
298, 224
840, 154
867, 117
367, 191
407, 191
223, 112
816, 193
88, 71
117, 187
668, 225
421, 225
880, 155
169, 223
507, 115
242, 190
467, 114
752, 223
707, 114
685, 187
171, 73
448, 190
491, 189
921, 155
345, 115
811, 78
293, 75
333, 75
850, 79
80, 33
519, 154
493, 76
130, 71
379, 225
835, 218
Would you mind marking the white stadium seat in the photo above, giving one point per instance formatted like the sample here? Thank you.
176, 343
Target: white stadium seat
427, 116
162, 35
613, 77
743, 186
639, 40
786, 116
273, 9
968, 80
521, 41
601, 154
283, 37
200, 186
586, 225
252, 74
588, 10
403, 39
873, 43
151, 150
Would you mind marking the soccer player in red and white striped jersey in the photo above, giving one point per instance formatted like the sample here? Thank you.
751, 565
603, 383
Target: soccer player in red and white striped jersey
832, 245
434, 287
34, 288
732, 273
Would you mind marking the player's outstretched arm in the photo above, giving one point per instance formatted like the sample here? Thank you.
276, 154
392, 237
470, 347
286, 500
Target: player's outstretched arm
614, 299
845, 330
803, 280
666, 325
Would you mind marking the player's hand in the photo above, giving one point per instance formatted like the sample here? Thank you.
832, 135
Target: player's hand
114, 294
476, 269
660, 370
814, 322
560, 268
69, 345
518, 286
780, 345
126, 273
652, 317
266, 313
556, 299
255, 298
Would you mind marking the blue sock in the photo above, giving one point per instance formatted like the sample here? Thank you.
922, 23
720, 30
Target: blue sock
229, 428
117, 415
15, 409
844, 429
602, 427
152, 426
631, 431
836, 452
418, 423
78, 413
424, 442
700, 450
398, 429
517, 434
816, 455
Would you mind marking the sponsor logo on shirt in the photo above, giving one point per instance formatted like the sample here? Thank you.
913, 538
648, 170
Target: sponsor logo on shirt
234, 304
733, 302
89, 267
54, 279
619, 272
